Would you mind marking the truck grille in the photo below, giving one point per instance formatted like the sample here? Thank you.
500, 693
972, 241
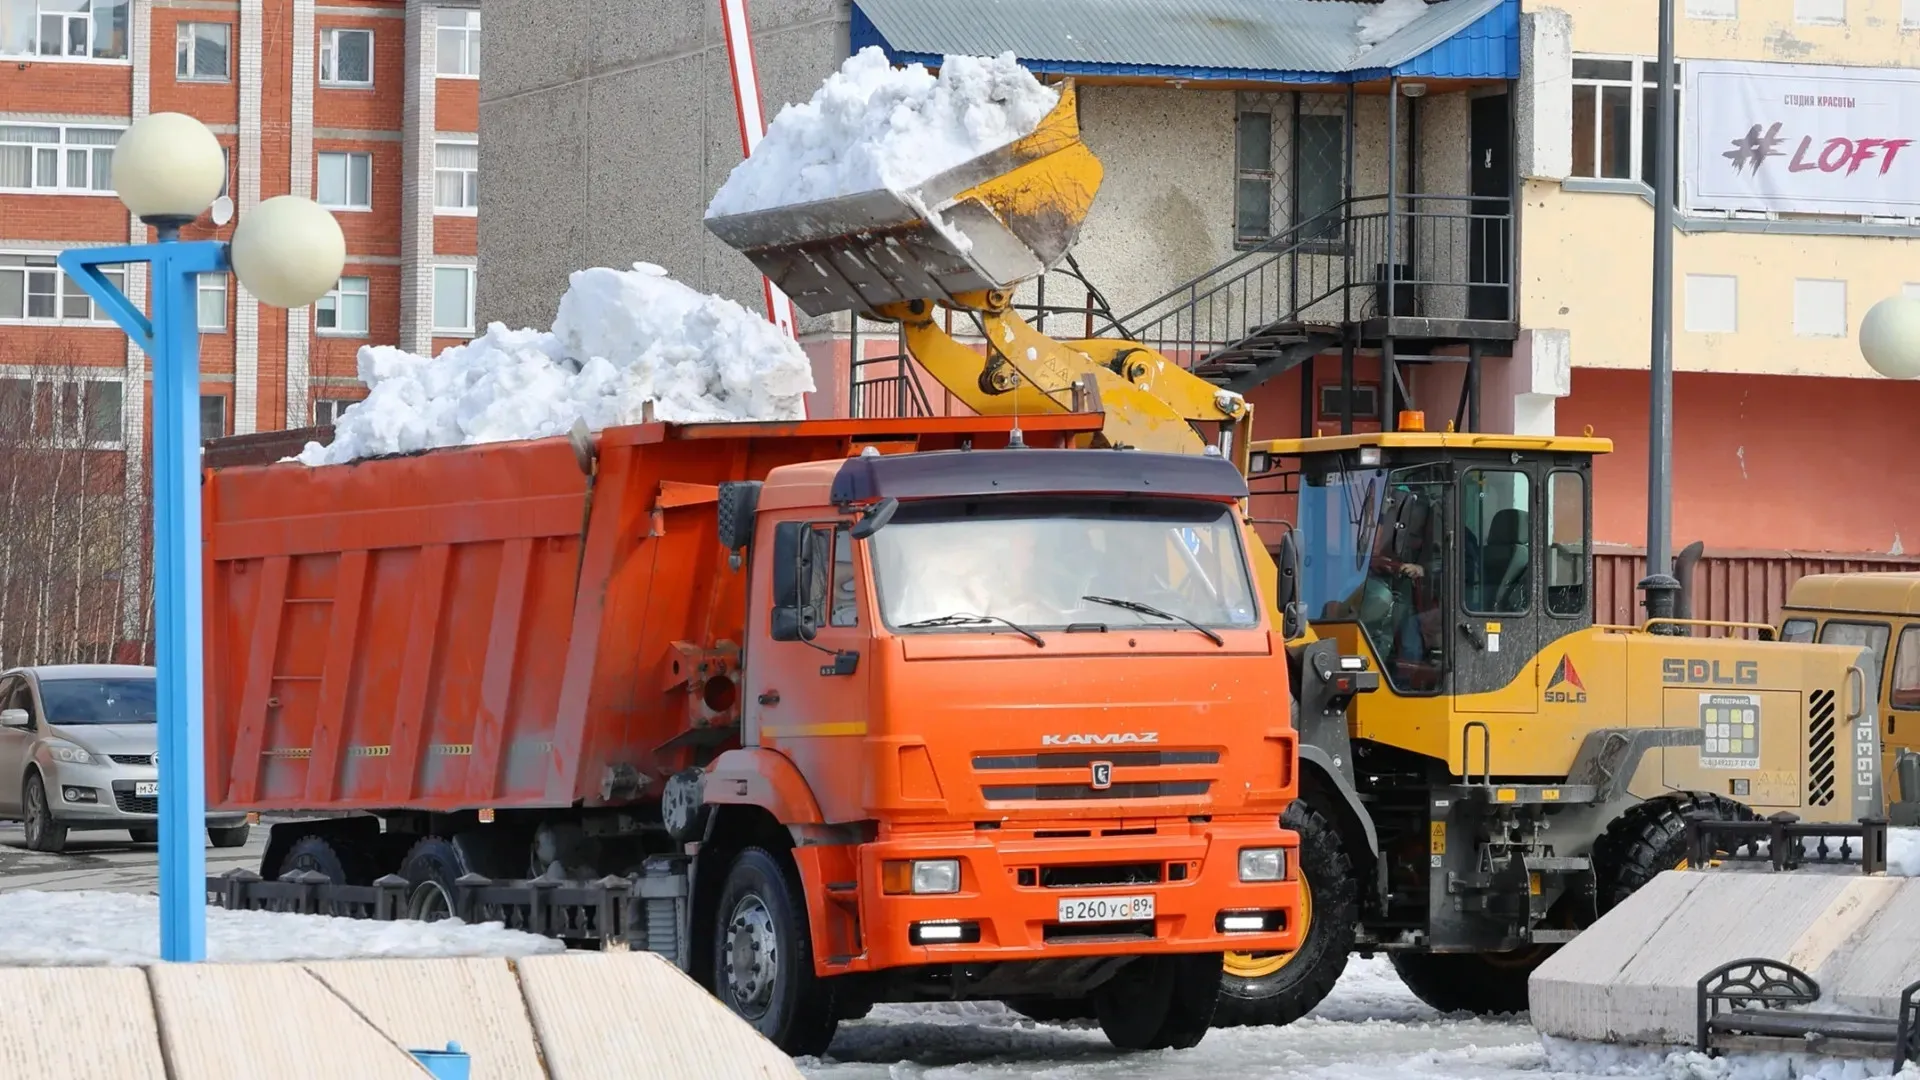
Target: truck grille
1080, 765
1821, 751
1076, 877
1140, 789
1079, 759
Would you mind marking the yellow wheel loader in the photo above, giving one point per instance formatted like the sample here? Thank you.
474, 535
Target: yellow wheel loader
1484, 769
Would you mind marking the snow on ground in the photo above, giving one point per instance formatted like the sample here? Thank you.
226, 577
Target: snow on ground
102, 928
1370, 1028
622, 339
1387, 18
872, 126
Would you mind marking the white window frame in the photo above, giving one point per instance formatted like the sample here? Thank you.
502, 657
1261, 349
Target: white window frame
204, 286
37, 57
319, 161
473, 281
62, 152
468, 177
469, 31
1640, 94
96, 317
333, 296
184, 29
329, 63
335, 405
69, 440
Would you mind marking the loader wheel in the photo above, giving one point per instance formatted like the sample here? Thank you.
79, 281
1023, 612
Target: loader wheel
1160, 1002
763, 955
1279, 988
1485, 984
1651, 838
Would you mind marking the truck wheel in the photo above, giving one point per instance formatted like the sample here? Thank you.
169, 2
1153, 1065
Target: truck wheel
44, 831
431, 867
1485, 984
763, 955
314, 855
1160, 1003
1051, 1010
230, 837
1279, 988
1651, 838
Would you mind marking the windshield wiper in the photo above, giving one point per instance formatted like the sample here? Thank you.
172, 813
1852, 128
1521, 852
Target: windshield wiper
963, 619
1149, 609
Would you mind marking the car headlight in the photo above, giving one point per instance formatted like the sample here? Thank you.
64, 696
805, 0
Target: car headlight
70, 754
1263, 864
922, 877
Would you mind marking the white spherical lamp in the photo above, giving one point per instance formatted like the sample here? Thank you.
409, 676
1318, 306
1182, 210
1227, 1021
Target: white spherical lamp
288, 251
168, 168
1890, 337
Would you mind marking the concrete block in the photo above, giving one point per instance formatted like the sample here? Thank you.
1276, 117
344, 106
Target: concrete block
78, 1022
421, 1004
634, 1016
247, 1021
1568, 994
1882, 959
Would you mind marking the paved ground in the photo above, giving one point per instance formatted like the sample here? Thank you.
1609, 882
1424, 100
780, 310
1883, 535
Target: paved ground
108, 861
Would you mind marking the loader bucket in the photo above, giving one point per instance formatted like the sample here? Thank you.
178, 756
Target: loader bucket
988, 223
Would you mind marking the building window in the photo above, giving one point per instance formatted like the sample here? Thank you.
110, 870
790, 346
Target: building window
213, 303
1819, 308
71, 412
201, 51
453, 299
1290, 153
326, 411
1365, 401
458, 45
1712, 304
213, 416
456, 177
346, 57
346, 180
1613, 111
33, 290
343, 311
50, 157
64, 29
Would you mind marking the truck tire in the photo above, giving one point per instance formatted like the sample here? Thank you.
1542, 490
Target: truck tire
1043, 1010
1160, 1003
431, 867
1278, 988
1485, 984
763, 955
316, 856
1651, 838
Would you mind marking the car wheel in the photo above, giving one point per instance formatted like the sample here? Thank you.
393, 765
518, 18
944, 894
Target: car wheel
44, 833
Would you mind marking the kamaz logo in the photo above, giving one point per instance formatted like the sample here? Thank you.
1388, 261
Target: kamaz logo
1125, 738
1710, 672
1565, 687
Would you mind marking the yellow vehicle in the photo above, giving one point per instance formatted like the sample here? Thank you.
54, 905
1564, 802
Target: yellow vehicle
1881, 614
1522, 769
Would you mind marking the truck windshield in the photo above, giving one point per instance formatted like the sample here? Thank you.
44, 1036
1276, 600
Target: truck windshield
1034, 563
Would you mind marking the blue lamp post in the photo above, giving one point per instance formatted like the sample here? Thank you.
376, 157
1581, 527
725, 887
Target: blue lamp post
167, 169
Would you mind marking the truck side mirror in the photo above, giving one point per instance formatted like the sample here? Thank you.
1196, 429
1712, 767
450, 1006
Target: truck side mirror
875, 518
789, 550
739, 500
1293, 612
13, 718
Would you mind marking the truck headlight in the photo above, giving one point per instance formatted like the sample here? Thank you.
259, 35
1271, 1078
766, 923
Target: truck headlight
1263, 864
922, 877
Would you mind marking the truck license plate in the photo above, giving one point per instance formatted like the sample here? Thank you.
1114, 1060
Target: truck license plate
1106, 909
146, 789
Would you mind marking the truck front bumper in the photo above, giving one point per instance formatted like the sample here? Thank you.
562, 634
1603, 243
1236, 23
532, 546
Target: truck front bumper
1031, 897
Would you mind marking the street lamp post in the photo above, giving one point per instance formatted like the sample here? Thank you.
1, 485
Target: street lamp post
167, 169
1661, 587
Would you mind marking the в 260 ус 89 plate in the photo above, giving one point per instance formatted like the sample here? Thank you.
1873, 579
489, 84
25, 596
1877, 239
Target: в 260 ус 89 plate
1106, 909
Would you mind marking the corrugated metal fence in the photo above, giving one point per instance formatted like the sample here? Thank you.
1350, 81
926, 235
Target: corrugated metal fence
1730, 586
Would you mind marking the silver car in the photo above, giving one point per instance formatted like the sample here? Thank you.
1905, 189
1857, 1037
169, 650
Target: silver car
78, 745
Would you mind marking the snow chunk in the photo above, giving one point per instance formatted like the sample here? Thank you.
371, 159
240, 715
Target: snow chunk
1387, 18
1606, 1059
621, 340
1903, 852
872, 126
94, 929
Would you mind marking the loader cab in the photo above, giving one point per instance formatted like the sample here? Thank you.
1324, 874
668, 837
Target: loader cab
1454, 558
1880, 613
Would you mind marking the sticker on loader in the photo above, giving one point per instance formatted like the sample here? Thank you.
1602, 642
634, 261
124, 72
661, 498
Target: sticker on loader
1730, 727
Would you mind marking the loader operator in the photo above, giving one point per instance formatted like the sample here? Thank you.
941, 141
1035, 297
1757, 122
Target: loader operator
1399, 602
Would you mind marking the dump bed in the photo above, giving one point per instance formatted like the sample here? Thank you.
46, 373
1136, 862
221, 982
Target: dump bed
482, 626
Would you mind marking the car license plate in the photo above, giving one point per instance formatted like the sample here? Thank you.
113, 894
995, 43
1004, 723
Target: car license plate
1106, 909
146, 789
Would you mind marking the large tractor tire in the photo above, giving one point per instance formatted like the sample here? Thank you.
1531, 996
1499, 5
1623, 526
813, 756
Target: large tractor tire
1279, 988
1160, 1002
1649, 839
763, 955
1486, 984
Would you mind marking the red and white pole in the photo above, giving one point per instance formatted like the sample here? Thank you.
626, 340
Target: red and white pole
753, 124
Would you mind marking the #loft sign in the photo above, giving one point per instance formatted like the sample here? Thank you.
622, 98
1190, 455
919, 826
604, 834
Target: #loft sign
1801, 138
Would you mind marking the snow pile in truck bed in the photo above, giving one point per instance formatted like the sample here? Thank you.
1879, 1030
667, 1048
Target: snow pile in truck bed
622, 339
872, 126
89, 929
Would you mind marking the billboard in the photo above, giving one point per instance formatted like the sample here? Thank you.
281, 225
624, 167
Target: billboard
1801, 138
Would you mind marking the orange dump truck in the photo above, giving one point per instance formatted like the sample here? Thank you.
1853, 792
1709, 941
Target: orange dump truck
910, 713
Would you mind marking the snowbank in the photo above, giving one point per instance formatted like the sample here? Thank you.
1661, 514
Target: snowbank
622, 339
872, 126
39, 929
1388, 18
1598, 1059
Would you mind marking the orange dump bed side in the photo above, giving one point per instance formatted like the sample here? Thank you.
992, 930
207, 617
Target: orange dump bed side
463, 628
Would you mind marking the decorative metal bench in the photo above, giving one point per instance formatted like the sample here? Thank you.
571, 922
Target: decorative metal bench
1759, 1005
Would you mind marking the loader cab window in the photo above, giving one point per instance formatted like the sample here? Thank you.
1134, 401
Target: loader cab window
1496, 541
1904, 694
1800, 630
1869, 636
1567, 532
